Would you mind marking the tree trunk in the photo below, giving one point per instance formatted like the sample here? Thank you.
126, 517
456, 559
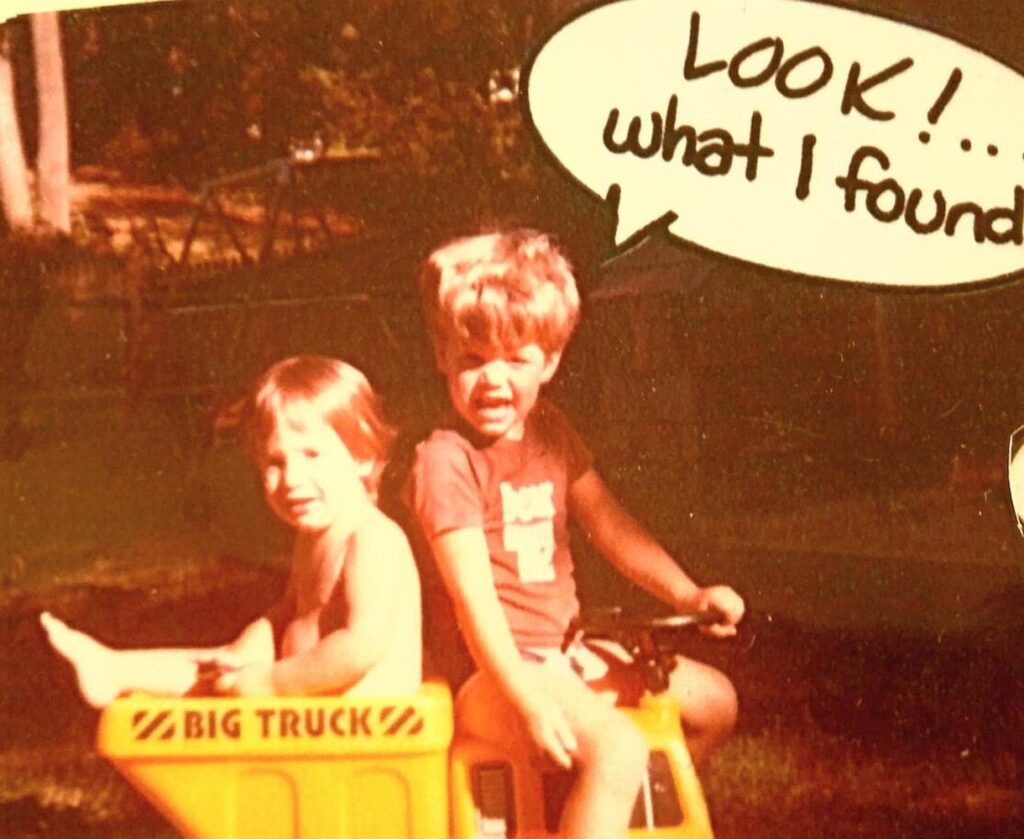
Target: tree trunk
14, 189
52, 163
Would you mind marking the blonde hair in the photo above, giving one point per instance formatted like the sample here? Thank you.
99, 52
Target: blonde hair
504, 289
341, 395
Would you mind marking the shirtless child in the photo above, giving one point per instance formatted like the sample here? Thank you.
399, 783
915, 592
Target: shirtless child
349, 619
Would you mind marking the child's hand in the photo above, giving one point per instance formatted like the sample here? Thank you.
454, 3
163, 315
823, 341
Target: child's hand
548, 729
233, 674
724, 602
248, 680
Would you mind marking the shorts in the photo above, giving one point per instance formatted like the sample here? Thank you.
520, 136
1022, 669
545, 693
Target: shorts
602, 665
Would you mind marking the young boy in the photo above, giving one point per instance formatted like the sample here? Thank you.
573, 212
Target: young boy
492, 491
349, 620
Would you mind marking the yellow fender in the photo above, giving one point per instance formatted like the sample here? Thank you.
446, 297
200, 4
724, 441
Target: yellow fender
322, 767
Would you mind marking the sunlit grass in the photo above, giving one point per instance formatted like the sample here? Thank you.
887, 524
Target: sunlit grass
752, 771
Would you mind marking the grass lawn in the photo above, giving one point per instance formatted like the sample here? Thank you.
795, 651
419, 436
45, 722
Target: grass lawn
841, 735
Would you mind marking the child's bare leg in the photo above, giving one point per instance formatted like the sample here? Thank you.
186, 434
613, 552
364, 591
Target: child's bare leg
708, 705
610, 759
104, 674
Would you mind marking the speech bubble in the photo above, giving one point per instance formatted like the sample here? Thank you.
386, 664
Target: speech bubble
810, 138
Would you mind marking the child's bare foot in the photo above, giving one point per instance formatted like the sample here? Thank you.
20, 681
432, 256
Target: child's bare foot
95, 664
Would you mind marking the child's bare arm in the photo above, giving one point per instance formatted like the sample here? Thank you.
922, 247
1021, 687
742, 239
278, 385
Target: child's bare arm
463, 560
624, 542
372, 580
372, 583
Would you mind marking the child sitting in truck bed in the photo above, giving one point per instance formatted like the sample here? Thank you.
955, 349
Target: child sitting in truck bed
349, 619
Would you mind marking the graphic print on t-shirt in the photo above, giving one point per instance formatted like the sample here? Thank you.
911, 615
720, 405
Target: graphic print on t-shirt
528, 514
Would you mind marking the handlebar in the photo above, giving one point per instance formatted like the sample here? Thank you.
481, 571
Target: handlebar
614, 620
651, 642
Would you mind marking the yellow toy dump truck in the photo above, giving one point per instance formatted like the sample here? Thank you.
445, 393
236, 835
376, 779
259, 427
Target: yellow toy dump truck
377, 768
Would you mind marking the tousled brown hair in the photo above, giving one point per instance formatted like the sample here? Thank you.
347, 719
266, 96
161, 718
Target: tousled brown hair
504, 289
339, 392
